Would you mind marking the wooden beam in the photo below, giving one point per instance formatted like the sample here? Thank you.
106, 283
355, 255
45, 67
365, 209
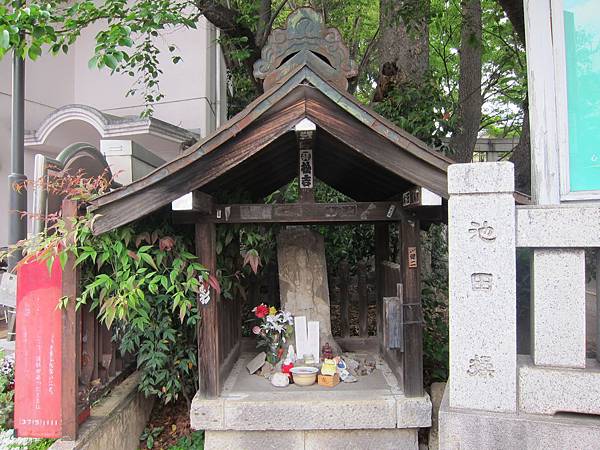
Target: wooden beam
208, 327
412, 309
296, 213
177, 179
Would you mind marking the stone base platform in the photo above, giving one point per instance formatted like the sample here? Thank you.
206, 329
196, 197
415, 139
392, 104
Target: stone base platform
463, 429
389, 439
348, 413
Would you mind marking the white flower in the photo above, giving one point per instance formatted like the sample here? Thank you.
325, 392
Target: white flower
286, 317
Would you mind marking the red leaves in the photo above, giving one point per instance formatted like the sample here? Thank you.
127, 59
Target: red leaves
166, 243
141, 238
253, 259
214, 283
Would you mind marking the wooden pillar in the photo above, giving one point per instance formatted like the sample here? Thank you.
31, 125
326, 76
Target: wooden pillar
382, 253
70, 340
209, 361
413, 315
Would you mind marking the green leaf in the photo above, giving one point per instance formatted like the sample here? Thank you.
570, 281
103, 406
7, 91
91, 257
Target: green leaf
5, 39
110, 61
34, 52
148, 259
63, 257
93, 62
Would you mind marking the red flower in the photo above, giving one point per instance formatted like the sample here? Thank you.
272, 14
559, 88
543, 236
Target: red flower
261, 311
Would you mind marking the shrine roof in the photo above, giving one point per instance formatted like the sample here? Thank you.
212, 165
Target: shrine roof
356, 150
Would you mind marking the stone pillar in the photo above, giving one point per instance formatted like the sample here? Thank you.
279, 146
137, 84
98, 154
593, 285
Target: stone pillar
481, 232
559, 308
303, 286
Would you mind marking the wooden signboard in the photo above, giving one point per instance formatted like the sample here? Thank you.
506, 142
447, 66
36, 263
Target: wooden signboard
38, 351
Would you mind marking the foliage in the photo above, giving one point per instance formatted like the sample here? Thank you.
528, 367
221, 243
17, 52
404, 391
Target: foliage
141, 279
128, 42
7, 393
150, 434
419, 109
504, 84
33, 444
194, 441
434, 297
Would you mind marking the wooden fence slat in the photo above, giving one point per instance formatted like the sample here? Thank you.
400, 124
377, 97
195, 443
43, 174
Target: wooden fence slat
97, 347
363, 300
105, 353
89, 344
344, 280
382, 252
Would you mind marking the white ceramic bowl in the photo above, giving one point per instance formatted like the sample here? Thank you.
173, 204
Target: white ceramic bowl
304, 376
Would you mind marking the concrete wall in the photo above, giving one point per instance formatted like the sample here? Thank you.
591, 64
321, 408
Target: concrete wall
116, 422
193, 90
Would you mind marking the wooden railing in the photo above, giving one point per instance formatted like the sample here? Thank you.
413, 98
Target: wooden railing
353, 295
91, 360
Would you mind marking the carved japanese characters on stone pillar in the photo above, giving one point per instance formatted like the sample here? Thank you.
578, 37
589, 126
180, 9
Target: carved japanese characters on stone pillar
305, 41
482, 258
482, 230
481, 366
482, 281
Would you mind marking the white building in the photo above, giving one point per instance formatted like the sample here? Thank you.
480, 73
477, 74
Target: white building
66, 102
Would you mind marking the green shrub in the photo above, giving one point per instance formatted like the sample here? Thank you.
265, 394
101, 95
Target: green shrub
7, 393
194, 441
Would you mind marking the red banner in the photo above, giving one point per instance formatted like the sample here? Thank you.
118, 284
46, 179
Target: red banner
38, 351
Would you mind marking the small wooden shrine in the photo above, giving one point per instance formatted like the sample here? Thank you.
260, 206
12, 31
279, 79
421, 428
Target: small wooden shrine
305, 125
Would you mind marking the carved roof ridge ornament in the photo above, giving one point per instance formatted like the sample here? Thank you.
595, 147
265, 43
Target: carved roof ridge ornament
305, 40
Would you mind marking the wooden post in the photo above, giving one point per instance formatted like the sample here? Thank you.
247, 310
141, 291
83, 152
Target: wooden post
208, 327
413, 315
344, 280
363, 300
71, 339
382, 253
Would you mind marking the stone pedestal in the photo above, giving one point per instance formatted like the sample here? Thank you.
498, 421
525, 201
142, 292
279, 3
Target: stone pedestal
464, 429
303, 286
481, 232
250, 414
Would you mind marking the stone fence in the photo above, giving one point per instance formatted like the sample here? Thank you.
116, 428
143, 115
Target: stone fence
485, 228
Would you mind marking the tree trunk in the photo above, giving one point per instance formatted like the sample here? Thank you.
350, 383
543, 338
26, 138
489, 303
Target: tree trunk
403, 45
469, 92
521, 156
516, 14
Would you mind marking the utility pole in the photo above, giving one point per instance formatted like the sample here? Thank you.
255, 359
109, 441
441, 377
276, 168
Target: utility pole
17, 225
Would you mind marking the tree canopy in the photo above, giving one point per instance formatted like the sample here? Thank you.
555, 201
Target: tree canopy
412, 54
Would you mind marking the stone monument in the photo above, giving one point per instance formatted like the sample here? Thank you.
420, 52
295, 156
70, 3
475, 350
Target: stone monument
303, 286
